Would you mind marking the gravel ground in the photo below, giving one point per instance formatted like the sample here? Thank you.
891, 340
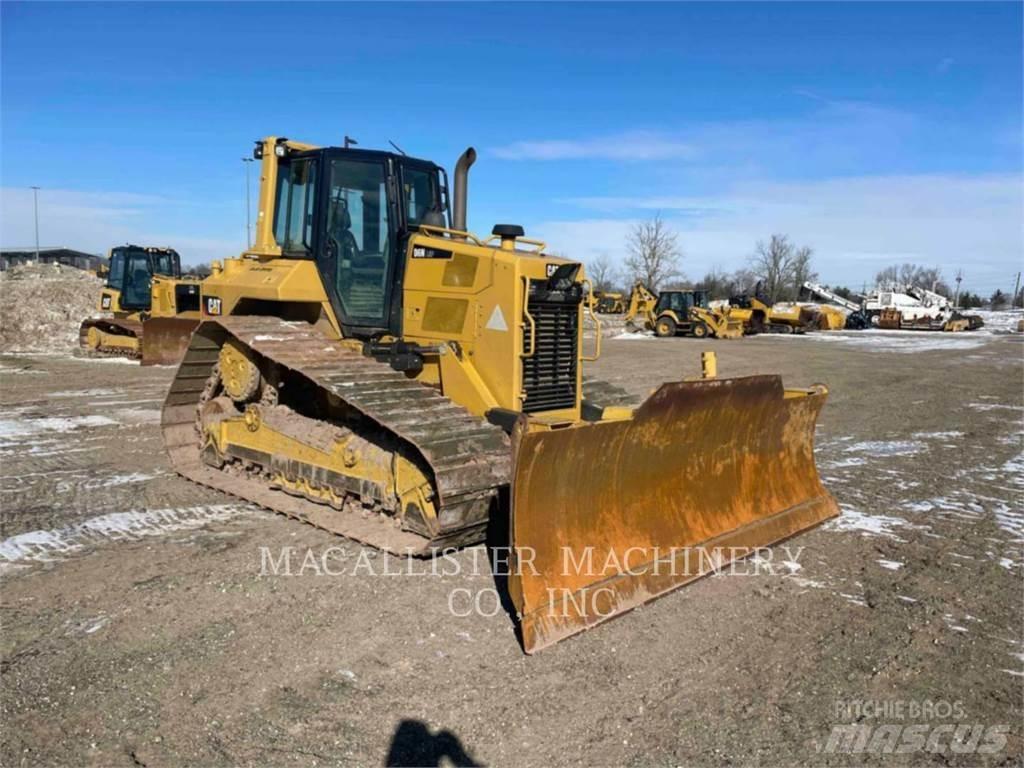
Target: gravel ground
139, 630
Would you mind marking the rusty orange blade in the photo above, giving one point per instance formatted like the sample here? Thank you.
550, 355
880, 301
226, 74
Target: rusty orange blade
607, 516
165, 339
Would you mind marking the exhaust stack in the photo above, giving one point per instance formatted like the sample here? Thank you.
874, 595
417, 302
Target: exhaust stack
461, 193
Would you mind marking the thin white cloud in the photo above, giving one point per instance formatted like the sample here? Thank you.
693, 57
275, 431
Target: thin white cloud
631, 146
95, 221
855, 225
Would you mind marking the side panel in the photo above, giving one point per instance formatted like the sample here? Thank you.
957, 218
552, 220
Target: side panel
473, 295
282, 284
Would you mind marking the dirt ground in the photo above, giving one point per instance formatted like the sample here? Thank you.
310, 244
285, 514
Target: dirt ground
140, 624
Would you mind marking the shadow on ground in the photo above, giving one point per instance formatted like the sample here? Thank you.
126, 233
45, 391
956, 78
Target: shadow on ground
414, 745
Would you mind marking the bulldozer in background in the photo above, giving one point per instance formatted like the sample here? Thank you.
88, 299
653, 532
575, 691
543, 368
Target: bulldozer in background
152, 309
609, 303
373, 368
757, 316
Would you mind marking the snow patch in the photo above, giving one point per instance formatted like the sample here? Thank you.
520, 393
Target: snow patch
938, 435
83, 393
887, 447
44, 545
869, 525
890, 565
902, 342
27, 427
626, 336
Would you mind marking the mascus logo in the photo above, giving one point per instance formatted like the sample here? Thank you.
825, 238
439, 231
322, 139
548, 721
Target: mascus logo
213, 305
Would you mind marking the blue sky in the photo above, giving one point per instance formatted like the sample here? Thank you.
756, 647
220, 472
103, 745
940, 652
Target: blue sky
873, 132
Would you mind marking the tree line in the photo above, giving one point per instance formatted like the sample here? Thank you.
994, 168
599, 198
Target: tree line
778, 265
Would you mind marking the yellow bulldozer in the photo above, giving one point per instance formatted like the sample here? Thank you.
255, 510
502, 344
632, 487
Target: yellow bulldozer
150, 310
373, 368
757, 316
609, 302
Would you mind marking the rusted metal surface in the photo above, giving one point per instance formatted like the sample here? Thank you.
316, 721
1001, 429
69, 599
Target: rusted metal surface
643, 503
469, 459
165, 340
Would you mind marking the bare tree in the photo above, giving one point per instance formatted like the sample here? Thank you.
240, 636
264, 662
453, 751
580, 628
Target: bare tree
602, 273
907, 275
802, 271
714, 282
654, 253
201, 270
740, 282
773, 264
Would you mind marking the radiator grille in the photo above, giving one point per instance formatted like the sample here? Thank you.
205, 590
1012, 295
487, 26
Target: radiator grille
549, 377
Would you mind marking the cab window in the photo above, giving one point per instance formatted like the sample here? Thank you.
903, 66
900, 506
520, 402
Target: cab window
137, 284
166, 264
116, 275
422, 194
293, 217
357, 242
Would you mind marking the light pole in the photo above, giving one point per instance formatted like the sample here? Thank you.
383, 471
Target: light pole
35, 207
248, 205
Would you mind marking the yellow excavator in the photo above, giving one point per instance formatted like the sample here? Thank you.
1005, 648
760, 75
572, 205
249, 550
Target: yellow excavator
150, 310
373, 368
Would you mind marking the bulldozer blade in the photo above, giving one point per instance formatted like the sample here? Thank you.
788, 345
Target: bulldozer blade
165, 339
609, 515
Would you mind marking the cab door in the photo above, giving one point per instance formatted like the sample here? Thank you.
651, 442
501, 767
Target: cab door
356, 250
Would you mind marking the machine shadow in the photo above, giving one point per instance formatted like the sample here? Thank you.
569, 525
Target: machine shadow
413, 745
498, 542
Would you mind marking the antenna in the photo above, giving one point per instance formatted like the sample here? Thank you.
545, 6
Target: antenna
350, 142
400, 150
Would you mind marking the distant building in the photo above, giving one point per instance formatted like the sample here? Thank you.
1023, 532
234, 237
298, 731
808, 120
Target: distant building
69, 257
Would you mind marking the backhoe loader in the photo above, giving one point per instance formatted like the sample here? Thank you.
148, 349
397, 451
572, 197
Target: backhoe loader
688, 313
373, 368
641, 305
153, 310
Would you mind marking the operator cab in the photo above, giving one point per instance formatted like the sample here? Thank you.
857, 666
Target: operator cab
681, 302
131, 272
352, 212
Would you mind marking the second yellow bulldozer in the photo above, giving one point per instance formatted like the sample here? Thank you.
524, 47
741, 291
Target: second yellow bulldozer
373, 368
757, 316
149, 310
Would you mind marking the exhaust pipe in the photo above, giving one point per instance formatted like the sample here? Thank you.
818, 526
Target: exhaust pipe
466, 159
